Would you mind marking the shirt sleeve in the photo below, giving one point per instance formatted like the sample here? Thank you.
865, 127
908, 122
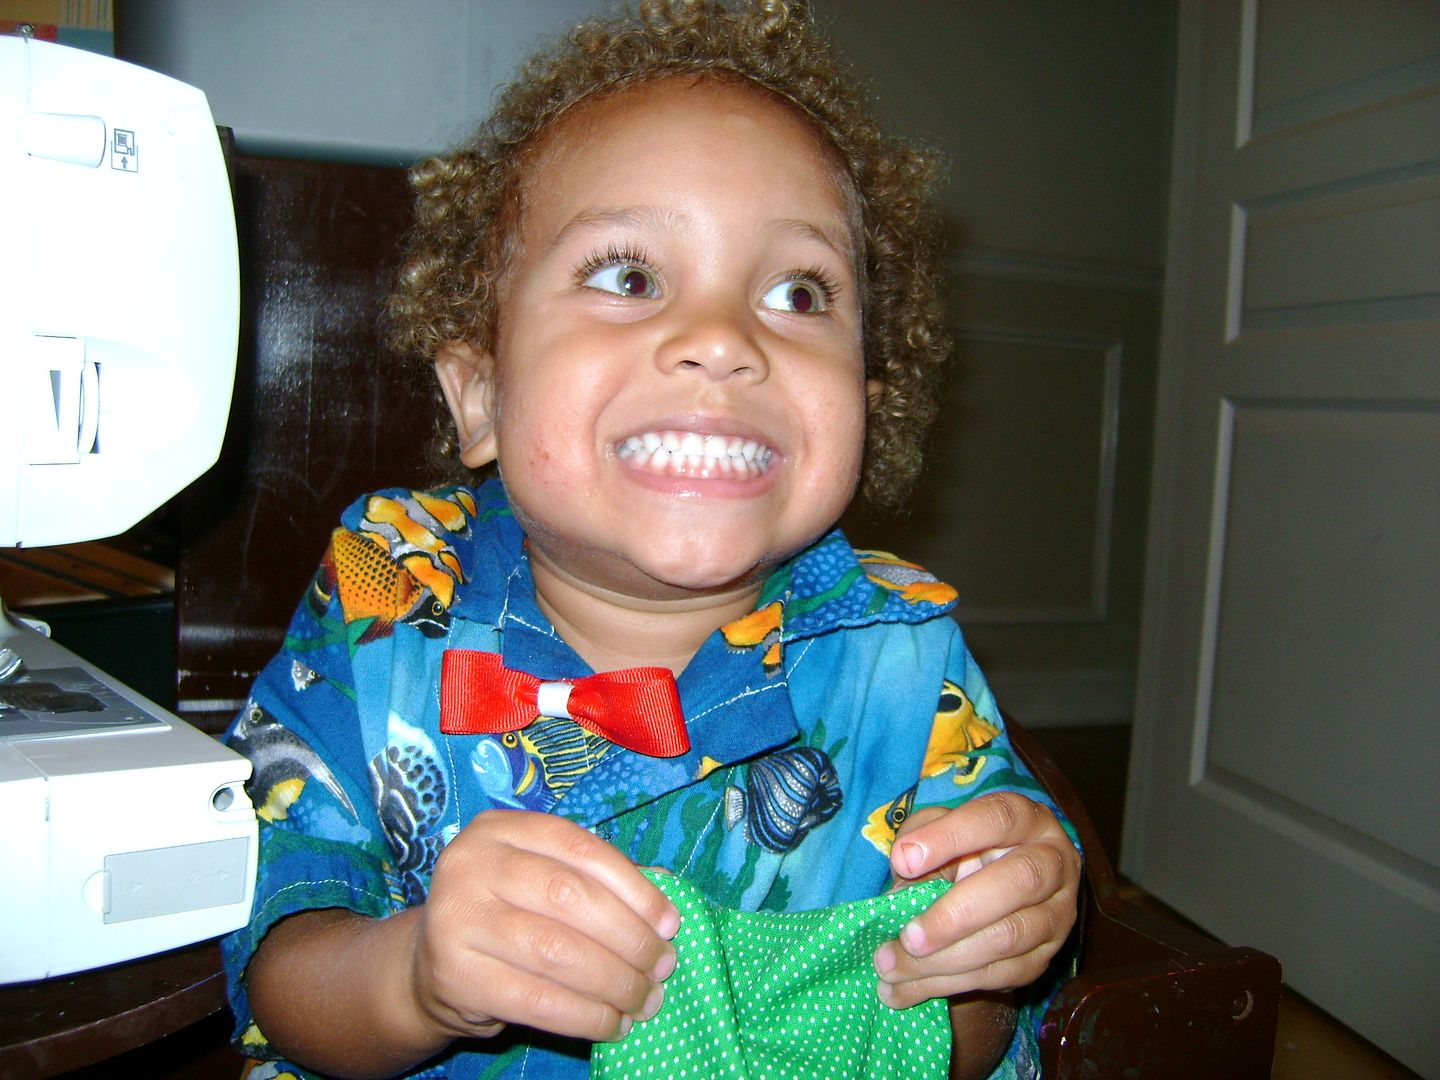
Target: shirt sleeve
320, 840
969, 755
969, 752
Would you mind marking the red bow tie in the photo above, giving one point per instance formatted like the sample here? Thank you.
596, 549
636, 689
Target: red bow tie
638, 708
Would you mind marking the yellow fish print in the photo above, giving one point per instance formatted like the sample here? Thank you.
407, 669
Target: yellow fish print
957, 732
885, 821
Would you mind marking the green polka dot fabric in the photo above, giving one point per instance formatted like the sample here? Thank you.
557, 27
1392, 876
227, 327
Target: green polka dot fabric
782, 994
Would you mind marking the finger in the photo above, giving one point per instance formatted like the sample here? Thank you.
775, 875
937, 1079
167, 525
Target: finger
572, 845
1025, 878
919, 816
1038, 930
1008, 974
568, 959
1000, 820
570, 894
522, 997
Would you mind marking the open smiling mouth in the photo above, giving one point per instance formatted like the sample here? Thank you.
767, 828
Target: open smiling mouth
688, 453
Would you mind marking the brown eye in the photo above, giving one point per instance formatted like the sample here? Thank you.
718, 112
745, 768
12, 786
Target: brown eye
801, 297
624, 280
635, 282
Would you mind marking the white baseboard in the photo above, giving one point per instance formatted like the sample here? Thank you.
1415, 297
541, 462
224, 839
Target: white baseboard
1051, 699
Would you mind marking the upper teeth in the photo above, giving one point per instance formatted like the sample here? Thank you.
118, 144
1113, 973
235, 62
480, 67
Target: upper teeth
691, 451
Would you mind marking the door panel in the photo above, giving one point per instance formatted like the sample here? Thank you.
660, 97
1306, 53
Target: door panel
1283, 786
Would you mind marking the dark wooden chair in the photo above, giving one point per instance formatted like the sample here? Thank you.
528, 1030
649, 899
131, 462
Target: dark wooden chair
322, 415
1151, 998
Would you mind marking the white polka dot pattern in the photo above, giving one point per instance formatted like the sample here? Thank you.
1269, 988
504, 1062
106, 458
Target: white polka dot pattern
782, 994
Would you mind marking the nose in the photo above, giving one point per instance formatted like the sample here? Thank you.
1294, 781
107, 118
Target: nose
715, 343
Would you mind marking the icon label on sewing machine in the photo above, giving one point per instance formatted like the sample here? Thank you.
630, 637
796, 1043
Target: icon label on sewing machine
124, 152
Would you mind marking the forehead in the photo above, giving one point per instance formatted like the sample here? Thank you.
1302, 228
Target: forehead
672, 127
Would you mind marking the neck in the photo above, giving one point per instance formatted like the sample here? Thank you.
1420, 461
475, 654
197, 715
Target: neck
611, 630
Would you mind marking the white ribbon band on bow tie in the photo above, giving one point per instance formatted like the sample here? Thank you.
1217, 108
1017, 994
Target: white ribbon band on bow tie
553, 699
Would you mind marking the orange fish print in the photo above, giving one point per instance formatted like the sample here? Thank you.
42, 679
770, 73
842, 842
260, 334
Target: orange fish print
373, 585
760, 627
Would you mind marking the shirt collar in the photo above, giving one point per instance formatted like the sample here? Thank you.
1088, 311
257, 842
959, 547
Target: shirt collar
827, 586
734, 691
831, 586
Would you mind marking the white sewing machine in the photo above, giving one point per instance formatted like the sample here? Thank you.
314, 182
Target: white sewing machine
123, 831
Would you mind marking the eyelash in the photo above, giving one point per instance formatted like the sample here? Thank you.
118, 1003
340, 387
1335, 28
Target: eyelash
633, 256
817, 277
613, 256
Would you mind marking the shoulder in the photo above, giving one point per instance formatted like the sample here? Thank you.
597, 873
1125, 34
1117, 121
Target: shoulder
910, 581
420, 518
832, 586
401, 555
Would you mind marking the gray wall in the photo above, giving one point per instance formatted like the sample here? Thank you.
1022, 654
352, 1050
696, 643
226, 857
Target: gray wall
1054, 115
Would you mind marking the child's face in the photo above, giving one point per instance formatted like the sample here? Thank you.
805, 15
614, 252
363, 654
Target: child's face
685, 272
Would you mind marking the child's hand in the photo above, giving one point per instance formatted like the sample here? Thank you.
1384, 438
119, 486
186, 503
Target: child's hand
532, 920
1017, 878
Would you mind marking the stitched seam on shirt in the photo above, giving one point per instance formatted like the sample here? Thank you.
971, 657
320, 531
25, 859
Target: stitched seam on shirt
548, 631
355, 889
701, 834
748, 692
450, 756
804, 649
505, 602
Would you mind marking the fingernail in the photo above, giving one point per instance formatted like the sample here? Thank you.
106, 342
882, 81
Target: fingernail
887, 994
913, 938
665, 966
885, 959
669, 924
910, 856
652, 1003
625, 1025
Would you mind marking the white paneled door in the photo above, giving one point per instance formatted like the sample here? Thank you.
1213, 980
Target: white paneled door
1285, 779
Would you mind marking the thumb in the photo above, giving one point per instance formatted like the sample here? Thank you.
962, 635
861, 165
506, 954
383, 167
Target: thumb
910, 854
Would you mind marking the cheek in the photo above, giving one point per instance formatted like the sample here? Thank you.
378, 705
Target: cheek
538, 451
530, 447
841, 421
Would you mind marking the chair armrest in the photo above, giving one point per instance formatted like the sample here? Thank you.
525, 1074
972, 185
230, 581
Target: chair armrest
1172, 1011
1151, 998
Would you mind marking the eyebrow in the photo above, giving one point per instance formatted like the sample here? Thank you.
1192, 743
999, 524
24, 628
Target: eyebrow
842, 245
672, 220
625, 216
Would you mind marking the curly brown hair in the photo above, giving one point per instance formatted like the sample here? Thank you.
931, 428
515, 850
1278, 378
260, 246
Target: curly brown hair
468, 203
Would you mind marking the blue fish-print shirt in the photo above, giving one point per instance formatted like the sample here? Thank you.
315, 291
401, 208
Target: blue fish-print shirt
816, 723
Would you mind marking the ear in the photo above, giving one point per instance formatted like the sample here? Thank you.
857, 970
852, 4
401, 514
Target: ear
465, 380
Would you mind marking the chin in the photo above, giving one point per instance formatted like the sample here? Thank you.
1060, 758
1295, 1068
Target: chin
724, 564
701, 583
689, 573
